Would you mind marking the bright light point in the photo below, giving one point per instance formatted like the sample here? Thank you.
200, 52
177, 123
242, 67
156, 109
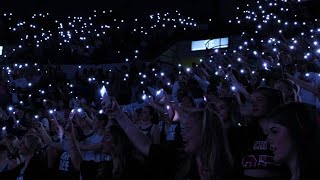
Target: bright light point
188, 69
144, 97
242, 71
233, 88
307, 74
162, 74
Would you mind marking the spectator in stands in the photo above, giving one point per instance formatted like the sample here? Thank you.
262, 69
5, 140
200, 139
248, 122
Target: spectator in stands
229, 111
294, 135
289, 90
6, 163
256, 156
204, 141
148, 124
34, 165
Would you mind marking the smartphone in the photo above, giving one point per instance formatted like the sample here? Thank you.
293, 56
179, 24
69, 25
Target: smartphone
105, 97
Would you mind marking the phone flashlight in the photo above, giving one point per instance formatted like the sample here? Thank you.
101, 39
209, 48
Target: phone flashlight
103, 91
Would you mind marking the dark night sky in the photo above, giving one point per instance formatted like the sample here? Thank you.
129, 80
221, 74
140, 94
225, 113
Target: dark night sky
195, 8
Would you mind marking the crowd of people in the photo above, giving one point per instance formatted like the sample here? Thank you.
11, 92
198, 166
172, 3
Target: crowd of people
105, 35
221, 118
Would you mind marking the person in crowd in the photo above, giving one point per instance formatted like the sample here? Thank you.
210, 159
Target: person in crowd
208, 152
91, 146
256, 157
294, 136
68, 164
147, 126
289, 90
229, 111
124, 163
34, 164
6, 163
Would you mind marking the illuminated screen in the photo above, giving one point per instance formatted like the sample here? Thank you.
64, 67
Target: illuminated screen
210, 44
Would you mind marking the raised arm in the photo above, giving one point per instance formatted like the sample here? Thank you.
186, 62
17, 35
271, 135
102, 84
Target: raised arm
136, 136
305, 85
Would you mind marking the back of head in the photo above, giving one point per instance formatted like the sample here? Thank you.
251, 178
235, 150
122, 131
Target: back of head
215, 153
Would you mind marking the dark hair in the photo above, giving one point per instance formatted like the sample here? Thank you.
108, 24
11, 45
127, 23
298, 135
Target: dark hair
274, 97
154, 114
123, 152
304, 130
3, 148
290, 84
104, 118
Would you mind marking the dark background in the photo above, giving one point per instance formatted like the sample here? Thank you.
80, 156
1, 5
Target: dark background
200, 8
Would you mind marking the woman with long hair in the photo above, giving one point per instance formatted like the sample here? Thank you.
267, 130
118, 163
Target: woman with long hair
294, 136
255, 156
205, 144
125, 164
229, 111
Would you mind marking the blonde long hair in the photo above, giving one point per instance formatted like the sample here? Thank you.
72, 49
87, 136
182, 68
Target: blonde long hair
215, 154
